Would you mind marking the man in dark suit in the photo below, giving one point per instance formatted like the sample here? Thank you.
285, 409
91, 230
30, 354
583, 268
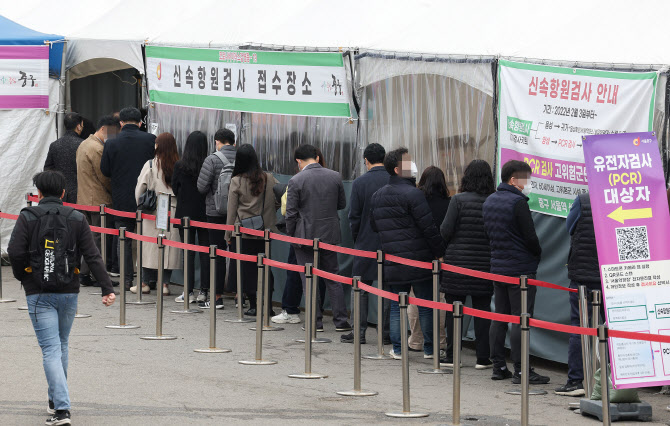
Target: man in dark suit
364, 237
122, 160
315, 195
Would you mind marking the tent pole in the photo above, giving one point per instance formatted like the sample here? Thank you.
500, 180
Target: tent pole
363, 130
61, 94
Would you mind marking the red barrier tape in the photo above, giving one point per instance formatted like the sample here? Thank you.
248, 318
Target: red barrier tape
479, 274
639, 336
143, 238
550, 285
408, 262
292, 240
8, 216
491, 315
381, 293
214, 226
175, 221
430, 304
572, 329
233, 255
282, 265
350, 251
120, 213
332, 277
107, 231
184, 246
253, 232
150, 217
34, 199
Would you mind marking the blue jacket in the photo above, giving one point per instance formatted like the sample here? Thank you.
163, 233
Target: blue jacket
402, 217
515, 248
365, 238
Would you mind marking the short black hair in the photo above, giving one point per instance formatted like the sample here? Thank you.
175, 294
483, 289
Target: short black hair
50, 183
393, 158
374, 153
130, 115
305, 152
107, 120
514, 168
72, 120
225, 136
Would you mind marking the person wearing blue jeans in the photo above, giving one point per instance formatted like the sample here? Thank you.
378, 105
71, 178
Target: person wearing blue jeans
422, 290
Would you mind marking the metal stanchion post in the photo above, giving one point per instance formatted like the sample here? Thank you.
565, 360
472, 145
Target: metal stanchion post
380, 312
604, 382
596, 301
122, 290
212, 309
103, 242
138, 230
406, 412
238, 265
309, 288
29, 204
525, 366
357, 345
458, 324
317, 290
436, 325
159, 294
186, 225
267, 296
586, 342
260, 311
1, 299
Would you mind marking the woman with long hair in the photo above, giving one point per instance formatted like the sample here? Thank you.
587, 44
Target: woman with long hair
191, 204
156, 175
468, 247
250, 197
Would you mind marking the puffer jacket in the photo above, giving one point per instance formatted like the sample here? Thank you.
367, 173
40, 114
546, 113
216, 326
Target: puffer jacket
402, 217
209, 177
467, 245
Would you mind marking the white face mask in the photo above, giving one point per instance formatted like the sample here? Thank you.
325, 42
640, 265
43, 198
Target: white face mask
413, 170
527, 189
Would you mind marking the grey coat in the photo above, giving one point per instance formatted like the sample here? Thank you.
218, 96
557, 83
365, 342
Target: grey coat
209, 177
314, 196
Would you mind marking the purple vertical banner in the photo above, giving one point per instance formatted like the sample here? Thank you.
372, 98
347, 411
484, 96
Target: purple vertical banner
632, 226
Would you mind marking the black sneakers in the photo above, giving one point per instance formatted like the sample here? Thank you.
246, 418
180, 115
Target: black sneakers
501, 374
349, 338
533, 378
51, 409
572, 388
61, 417
343, 327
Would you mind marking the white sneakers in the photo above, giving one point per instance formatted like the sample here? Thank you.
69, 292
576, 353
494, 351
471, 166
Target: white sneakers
180, 298
394, 355
145, 289
286, 318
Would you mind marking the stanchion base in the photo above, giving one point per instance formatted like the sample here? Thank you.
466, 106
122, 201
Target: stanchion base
7, 300
189, 311
212, 351
240, 320
532, 392
435, 371
408, 415
159, 338
140, 303
377, 357
317, 340
96, 293
268, 328
574, 405
258, 362
22, 308
122, 327
357, 393
308, 376
82, 316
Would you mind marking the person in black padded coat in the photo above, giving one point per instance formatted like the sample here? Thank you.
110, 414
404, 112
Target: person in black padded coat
468, 247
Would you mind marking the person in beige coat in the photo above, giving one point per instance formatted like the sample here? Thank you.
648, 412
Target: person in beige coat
251, 196
155, 175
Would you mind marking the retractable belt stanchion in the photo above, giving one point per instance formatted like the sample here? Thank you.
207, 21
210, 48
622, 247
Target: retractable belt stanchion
138, 230
103, 243
1, 299
310, 282
357, 345
436, 324
238, 265
525, 367
159, 294
212, 310
596, 301
458, 329
315, 292
585, 340
259, 318
406, 412
122, 290
29, 204
380, 312
186, 225
267, 296
604, 382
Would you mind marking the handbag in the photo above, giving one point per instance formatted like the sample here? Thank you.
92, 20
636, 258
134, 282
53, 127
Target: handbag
147, 201
256, 222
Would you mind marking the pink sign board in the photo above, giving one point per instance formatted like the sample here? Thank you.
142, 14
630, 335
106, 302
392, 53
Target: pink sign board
24, 77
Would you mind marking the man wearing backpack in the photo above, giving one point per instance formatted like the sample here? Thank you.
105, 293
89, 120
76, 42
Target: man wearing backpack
46, 246
214, 180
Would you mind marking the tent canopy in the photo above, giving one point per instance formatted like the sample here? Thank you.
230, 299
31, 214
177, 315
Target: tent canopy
12, 33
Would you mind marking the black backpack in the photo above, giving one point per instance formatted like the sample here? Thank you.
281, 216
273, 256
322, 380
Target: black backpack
52, 250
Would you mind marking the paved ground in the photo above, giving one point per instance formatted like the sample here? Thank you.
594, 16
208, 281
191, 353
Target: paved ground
116, 378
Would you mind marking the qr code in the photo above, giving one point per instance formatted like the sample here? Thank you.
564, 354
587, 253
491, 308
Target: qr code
632, 243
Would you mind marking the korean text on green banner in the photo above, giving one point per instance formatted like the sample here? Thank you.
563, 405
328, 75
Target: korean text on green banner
290, 83
632, 225
544, 111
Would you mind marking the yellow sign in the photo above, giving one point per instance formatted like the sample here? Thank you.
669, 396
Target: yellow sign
46, 244
620, 215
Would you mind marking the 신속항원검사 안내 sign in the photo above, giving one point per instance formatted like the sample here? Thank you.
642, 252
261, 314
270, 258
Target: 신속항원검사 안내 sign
544, 111
632, 226
290, 83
